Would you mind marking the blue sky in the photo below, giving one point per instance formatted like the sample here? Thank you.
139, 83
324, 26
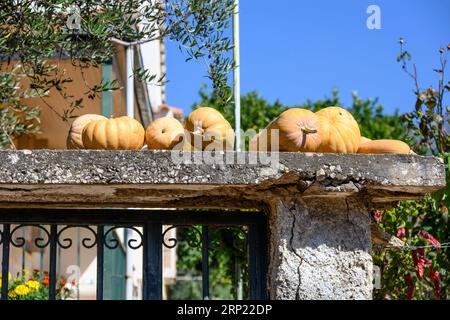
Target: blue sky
295, 50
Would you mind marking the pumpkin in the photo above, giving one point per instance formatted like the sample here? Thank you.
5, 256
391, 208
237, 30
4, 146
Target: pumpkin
74, 139
384, 146
339, 131
298, 131
208, 129
165, 134
122, 133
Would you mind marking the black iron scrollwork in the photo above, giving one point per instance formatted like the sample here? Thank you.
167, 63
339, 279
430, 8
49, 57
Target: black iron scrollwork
194, 242
86, 242
113, 243
40, 242
240, 239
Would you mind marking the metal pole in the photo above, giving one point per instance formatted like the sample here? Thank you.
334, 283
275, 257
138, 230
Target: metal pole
237, 77
130, 255
130, 81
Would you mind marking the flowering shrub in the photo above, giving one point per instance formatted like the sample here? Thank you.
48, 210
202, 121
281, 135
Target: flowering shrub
35, 286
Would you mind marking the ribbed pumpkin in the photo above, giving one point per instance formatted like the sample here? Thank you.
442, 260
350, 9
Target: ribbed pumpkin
122, 133
298, 131
339, 131
165, 134
74, 139
384, 146
209, 129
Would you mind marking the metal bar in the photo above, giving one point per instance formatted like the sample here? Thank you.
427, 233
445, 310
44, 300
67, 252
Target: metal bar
127, 217
257, 262
107, 96
52, 268
152, 277
205, 262
237, 77
130, 81
5, 259
100, 261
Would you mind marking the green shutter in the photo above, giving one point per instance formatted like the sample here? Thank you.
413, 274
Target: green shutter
107, 96
114, 284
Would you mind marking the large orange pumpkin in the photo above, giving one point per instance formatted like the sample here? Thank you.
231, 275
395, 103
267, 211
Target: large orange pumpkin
298, 131
384, 146
122, 133
165, 134
339, 131
208, 129
74, 139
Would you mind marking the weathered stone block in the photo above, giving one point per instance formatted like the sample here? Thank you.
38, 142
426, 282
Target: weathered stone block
320, 250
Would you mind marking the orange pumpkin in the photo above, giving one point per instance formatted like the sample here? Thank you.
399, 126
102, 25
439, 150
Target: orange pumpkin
339, 131
74, 139
122, 133
209, 130
384, 146
165, 134
298, 131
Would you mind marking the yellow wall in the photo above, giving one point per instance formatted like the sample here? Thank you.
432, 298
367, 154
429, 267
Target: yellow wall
53, 129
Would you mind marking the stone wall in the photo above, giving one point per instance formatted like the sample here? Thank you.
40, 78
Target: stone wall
317, 204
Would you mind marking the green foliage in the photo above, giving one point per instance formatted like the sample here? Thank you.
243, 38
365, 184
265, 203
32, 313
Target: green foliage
33, 32
16, 118
421, 273
227, 254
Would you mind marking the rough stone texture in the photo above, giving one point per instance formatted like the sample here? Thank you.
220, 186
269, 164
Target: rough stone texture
153, 178
320, 250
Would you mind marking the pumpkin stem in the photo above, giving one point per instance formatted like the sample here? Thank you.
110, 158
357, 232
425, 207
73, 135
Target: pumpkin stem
307, 130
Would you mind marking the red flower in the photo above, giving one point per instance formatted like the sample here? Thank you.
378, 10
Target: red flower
434, 277
410, 283
430, 239
73, 283
420, 261
377, 215
401, 232
63, 282
45, 281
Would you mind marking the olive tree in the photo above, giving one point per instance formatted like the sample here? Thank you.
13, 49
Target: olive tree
33, 32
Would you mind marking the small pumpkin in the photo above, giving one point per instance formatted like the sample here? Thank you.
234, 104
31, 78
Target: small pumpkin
165, 134
208, 129
384, 146
74, 139
339, 131
122, 133
298, 131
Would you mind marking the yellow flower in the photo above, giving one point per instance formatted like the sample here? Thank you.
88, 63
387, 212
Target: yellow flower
12, 294
26, 272
22, 290
9, 278
33, 285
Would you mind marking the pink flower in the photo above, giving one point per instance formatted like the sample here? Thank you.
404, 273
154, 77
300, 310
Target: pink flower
401, 232
430, 239
420, 261
377, 215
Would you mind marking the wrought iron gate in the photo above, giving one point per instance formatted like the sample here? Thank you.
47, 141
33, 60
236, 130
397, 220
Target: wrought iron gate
101, 222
